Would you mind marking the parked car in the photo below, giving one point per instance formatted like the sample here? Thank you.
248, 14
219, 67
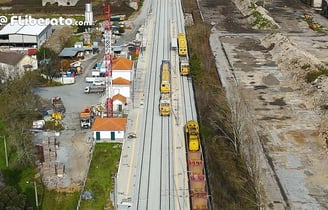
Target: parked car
98, 82
132, 135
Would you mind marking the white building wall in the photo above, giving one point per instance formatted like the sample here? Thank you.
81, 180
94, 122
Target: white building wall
116, 103
316, 3
44, 35
106, 135
28, 60
15, 38
126, 74
10, 71
6, 71
37, 39
123, 90
29, 39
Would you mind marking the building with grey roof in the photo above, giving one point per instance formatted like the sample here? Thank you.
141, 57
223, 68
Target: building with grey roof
14, 64
71, 52
25, 35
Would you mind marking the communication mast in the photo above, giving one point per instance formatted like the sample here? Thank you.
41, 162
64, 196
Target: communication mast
108, 60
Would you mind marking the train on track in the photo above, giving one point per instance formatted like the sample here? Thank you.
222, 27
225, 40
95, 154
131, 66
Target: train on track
182, 45
199, 198
165, 89
183, 55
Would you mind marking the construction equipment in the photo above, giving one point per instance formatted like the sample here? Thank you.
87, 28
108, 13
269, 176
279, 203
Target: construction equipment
56, 115
199, 198
86, 118
192, 135
57, 104
184, 66
95, 89
174, 44
165, 104
182, 45
165, 77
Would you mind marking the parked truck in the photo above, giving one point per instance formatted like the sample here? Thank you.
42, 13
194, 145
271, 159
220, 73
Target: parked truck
94, 89
58, 105
85, 118
91, 79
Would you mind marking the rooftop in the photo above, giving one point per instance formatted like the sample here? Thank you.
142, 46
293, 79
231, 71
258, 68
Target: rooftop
70, 52
122, 63
109, 124
120, 98
11, 58
121, 81
26, 28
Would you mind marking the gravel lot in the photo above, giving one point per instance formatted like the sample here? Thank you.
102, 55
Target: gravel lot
74, 148
281, 106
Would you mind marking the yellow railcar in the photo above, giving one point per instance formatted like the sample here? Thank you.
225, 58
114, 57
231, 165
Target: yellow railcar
165, 104
165, 77
192, 135
182, 45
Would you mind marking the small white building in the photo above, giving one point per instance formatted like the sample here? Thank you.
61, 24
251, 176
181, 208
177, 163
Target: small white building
24, 35
108, 129
122, 67
122, 86
13, 64
119, 103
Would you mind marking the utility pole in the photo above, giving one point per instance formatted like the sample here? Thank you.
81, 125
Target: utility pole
36, 195
5, 145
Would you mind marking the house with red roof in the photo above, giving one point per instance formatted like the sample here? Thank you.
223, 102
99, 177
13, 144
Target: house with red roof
109, 129
122, 86
122, 67
119, 104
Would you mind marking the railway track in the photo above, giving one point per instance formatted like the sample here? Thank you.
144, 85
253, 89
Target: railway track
154, 183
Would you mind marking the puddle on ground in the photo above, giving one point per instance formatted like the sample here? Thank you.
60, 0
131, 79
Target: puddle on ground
270, 80
278, 102
286, 89
260, 87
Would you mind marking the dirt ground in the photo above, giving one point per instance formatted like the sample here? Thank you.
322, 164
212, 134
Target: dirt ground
269, 66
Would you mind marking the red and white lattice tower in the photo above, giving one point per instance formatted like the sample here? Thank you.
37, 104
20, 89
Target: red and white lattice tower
108, 60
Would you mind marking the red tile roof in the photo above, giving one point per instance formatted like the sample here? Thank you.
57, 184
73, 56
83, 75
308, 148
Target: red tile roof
109, 124
121, 81
122, 63
119, 97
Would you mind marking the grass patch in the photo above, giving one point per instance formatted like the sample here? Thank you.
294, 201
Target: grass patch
99, 182
313, 75
261, 22
21, 179
51, 199
305, 66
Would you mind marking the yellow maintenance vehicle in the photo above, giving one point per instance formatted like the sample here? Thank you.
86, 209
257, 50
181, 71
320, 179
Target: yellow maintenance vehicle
192, 135
165, 104
182, 45
165, 77
184, 66
56, 115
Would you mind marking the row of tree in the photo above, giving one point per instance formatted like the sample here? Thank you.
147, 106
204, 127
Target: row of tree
19, 107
